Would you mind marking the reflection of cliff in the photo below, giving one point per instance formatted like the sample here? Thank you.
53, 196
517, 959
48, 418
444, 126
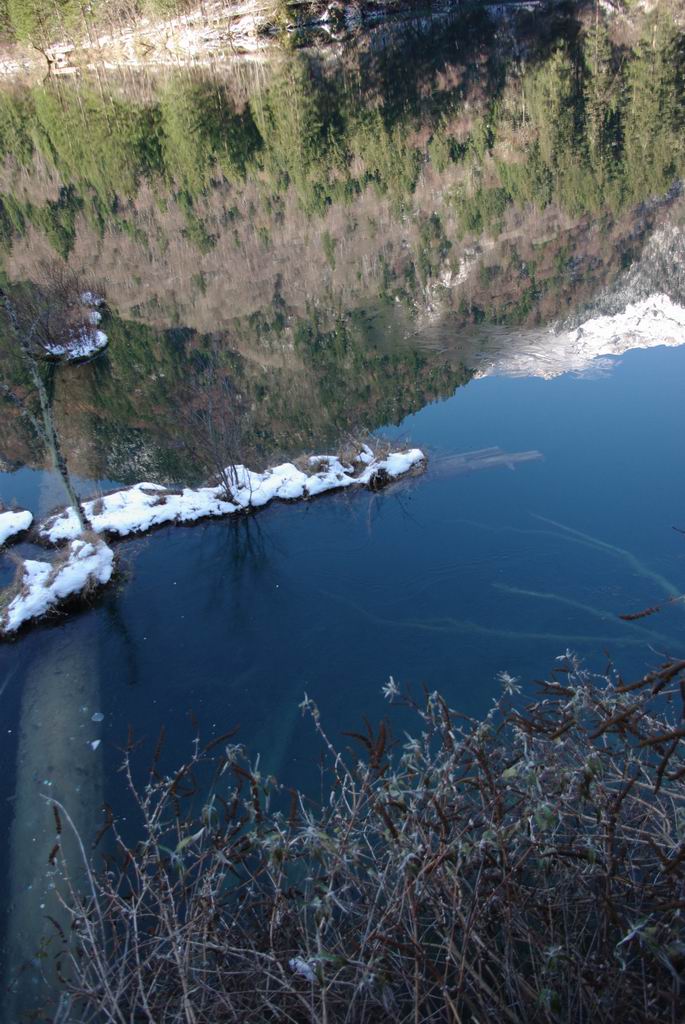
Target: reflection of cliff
320, 218
160, 273
589, 348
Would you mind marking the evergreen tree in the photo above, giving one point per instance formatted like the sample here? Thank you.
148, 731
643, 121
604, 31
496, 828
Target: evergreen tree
601, 98
104, 143
202, 135
551, 94
16, 115
290, 122
653, 111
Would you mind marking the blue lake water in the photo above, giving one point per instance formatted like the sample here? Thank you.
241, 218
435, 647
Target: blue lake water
443, 581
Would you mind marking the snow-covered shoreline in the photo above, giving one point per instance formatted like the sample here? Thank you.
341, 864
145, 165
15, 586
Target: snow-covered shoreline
84, 563
143, 506
43, 586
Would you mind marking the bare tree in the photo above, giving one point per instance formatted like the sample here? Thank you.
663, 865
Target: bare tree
213, 419
45, 327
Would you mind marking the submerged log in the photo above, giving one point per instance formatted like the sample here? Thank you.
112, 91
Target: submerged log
58, 758
482, 458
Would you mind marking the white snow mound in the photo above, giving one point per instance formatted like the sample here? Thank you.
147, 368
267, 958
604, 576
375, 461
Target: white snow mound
12, 523
83, 343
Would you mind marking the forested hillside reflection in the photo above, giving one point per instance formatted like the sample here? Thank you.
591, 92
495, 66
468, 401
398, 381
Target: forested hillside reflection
301, 225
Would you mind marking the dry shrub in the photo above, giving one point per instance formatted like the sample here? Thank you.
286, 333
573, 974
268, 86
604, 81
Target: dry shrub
349, 449
528, 867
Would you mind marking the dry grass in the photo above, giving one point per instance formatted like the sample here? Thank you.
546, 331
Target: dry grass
529, 867
16, 587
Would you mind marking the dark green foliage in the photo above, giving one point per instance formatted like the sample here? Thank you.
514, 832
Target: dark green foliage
601, 98
163, 7
202, 137
552, 102
482, 137
483, 210
42, 21
195, 229
16, 112
296, 147
392, 384
95, 140
328, 244
433, 246
529, 180
13, 213
5, 227
58, 220
391, 162
441, 150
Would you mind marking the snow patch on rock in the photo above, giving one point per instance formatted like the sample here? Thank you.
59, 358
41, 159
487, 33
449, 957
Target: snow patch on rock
137, 509
82, 344
87, 562
84, 341
654, 321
